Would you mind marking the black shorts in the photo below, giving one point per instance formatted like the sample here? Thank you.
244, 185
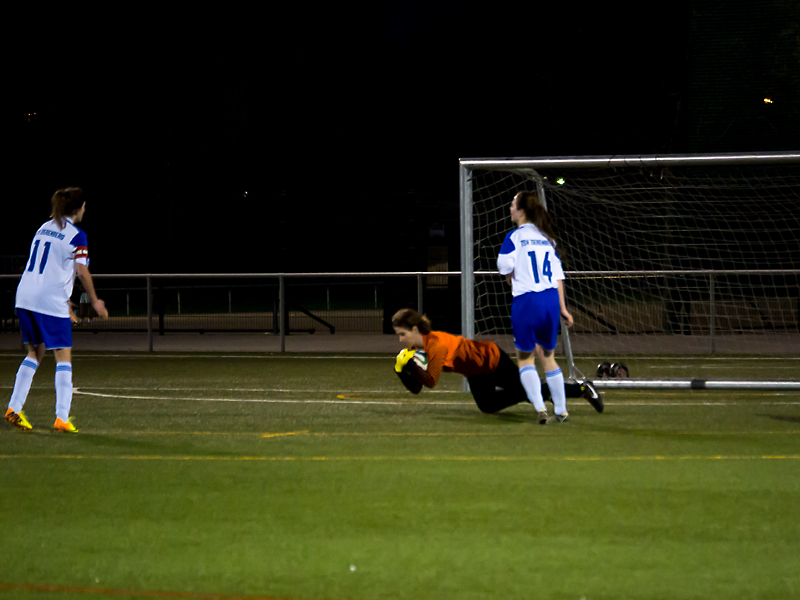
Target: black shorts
499, 389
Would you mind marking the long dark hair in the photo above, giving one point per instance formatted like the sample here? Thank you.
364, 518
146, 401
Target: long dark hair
408, 318
65, 202
528, 202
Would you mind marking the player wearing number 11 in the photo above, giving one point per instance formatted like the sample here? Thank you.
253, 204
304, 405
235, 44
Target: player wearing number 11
58, 252
529, 260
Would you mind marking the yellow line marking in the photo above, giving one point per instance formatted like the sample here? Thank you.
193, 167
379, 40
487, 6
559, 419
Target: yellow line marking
537, 458
271, 435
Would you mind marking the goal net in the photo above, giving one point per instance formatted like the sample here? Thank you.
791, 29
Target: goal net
672, 262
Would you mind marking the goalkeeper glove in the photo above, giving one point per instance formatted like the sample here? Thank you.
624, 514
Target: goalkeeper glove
403, 358
407, 376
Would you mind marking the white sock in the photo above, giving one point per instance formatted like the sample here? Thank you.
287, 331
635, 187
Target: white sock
63, 390
555, 381
22, 384
533, 386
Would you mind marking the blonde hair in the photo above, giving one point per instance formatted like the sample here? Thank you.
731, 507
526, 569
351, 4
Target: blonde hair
64, 203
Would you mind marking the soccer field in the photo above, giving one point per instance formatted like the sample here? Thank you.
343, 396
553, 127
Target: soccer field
319, 477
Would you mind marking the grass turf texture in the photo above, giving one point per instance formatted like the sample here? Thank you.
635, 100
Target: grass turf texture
270, 476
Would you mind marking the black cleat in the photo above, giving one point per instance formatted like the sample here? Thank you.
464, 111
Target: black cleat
541, 417
591, 396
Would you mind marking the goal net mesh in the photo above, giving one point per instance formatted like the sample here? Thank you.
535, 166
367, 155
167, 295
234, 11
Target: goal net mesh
680, 261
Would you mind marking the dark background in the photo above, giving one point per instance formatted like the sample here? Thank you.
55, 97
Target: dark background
344, 125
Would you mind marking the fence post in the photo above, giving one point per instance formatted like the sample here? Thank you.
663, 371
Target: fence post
713, 310
161, 309
149, 314
284, 320
419, 293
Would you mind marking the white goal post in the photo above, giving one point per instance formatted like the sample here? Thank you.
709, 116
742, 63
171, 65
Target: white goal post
666, 257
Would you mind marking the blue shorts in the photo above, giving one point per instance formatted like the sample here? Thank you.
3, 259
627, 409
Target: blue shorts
36, 328
535, 319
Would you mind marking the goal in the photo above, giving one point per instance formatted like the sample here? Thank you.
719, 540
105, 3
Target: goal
672, 263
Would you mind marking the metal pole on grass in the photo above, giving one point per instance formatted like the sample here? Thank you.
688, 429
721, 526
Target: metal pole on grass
568, 350
467, 258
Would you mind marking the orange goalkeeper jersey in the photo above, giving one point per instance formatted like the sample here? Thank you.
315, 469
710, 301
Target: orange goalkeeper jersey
448, 352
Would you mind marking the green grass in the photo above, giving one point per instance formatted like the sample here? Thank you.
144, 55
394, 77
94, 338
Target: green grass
270, 476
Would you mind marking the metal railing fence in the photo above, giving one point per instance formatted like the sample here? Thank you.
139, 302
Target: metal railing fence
287, 303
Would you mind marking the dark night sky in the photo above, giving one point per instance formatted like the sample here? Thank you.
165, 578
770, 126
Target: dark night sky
329, 117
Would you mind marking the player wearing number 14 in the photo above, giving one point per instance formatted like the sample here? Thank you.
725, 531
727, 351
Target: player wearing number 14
529, 260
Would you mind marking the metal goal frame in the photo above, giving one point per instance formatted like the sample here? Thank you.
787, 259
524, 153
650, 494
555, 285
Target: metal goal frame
528, 167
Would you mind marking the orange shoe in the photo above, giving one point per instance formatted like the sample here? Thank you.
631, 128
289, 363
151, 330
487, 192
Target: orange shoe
65, 426
18, 419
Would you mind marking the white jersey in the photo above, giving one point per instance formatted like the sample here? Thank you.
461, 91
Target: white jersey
47, 280
531, 257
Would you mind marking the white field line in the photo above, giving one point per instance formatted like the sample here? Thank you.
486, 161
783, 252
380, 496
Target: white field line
720, 366
264, 400
392, 392
259, 390
400, 402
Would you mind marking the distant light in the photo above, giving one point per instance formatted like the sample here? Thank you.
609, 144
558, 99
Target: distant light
560, 181
768, 101
245, 195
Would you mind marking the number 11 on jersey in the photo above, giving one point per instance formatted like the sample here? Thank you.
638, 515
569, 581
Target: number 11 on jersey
45, 254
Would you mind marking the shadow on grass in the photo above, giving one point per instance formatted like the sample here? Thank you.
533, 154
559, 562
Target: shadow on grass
784, 418
477, 416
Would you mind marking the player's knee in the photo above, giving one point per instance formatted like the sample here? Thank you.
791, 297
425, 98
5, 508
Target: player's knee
524, 358
486, 406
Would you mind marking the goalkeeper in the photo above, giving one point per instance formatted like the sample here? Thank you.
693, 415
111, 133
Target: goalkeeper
492, 375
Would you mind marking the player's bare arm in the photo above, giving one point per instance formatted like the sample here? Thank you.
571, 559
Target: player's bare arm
88, 285
568, 321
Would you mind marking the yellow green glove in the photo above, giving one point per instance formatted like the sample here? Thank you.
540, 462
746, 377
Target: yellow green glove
403, 358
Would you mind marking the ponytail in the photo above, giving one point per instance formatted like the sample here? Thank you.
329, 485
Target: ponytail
535, 213
65, 202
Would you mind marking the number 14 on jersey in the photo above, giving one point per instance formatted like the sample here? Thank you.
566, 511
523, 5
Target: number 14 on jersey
546, 269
